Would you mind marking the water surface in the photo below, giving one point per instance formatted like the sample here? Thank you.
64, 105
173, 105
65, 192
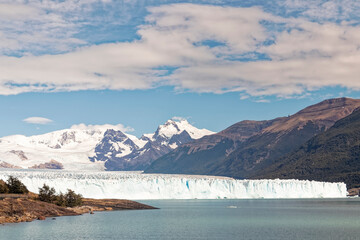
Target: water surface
259, 219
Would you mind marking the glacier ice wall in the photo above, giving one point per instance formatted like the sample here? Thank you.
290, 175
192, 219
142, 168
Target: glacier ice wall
134, 185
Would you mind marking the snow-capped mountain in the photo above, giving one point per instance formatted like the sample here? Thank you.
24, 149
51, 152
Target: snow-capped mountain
173, 128
98, 147
137, 156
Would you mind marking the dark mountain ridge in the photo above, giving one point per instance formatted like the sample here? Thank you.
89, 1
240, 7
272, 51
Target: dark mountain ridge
247, 147
330, 156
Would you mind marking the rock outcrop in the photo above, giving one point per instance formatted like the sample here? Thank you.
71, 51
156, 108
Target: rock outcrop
49, 165
24, 208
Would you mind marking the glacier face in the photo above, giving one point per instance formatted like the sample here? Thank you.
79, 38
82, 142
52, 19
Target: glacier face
138, 186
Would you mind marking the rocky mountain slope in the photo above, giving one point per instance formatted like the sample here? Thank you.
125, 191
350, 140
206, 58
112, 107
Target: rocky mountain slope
94, 147
138, 157
249, 146
330, 156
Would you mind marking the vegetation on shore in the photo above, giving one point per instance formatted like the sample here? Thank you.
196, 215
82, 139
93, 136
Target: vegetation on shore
69, 199
46, 194
20, 205
13, 186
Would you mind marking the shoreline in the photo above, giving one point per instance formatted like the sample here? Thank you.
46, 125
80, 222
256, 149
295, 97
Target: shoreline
27, 209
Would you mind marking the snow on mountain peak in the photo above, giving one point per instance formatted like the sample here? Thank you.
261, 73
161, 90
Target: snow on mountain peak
176, 126
88, 147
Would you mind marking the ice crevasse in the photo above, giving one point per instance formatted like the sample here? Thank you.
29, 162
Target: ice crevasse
138, 186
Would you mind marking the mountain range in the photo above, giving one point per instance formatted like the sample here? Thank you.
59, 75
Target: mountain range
121, 152
332, 156
248, 148
320, 142
96, 148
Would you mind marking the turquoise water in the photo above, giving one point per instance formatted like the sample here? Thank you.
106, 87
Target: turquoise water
206, 219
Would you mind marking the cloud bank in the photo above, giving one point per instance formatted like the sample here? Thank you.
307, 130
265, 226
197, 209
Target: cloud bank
197, 48
119, 127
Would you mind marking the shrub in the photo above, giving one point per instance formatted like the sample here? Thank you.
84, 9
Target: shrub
69, 199
72, 199
16, 186
60, 200
3, 187
47, 194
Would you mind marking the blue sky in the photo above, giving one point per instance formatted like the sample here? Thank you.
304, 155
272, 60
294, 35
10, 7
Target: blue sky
139, 63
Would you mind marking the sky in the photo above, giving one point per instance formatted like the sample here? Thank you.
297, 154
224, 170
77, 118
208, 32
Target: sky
138, 63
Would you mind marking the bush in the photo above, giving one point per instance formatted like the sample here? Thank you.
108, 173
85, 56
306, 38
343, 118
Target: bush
60, 200
15, 186
3, 187
47, 194
72, 199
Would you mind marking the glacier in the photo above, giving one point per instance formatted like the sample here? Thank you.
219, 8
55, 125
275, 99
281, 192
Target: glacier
138, 186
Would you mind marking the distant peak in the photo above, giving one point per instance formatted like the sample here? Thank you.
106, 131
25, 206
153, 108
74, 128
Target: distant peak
331, 103
170, 121
113, 132
176, 126
342, 100
324, 114
175, 123
168, 124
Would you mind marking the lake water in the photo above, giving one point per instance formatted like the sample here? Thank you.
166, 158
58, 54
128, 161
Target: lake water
206, 219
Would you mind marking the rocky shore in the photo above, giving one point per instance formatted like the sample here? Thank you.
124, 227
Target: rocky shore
353, 192
27, 209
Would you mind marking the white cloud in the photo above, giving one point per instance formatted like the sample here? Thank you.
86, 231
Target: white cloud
17, 11
38, 120
169, 39
178, 119
305, 56
238, 28
262, 101
323, 10
119, 127
37, 27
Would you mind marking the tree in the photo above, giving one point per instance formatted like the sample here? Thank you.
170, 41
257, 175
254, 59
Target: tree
47, 194
60, 200
3, 187
16, 186
72, 199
